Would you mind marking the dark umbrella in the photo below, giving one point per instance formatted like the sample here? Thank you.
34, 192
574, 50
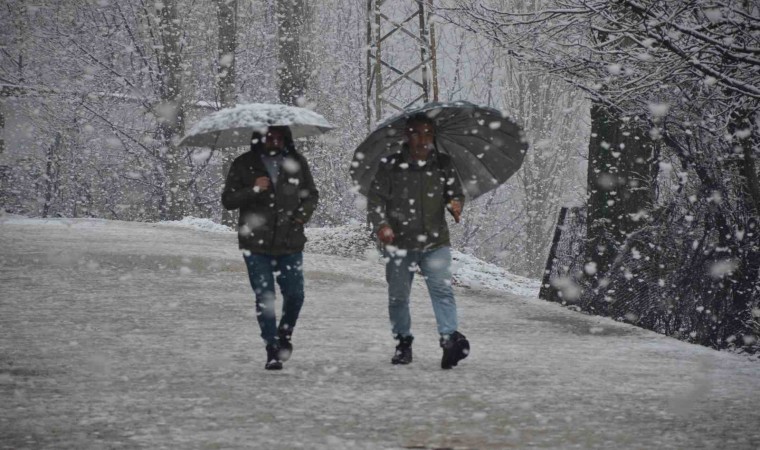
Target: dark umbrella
486, 146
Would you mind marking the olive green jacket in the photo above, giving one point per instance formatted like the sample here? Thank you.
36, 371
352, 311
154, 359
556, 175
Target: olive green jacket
412, 199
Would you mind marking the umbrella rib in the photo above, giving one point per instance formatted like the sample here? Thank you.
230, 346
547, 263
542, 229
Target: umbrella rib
467, 151
504, 154
216, 139
478, 135
482, 139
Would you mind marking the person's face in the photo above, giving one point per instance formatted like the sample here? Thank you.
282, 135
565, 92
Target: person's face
421, 138
274, 140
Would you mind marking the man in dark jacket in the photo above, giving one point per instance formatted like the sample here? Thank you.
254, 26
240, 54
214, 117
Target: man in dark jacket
406, 207
275, 192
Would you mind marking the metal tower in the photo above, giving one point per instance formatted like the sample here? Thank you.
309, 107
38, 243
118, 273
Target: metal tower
401, 59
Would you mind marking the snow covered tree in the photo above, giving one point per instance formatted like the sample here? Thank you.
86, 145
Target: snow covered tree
513, 225
676, 83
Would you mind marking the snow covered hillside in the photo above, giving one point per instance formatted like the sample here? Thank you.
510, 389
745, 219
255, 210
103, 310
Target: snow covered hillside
354, 242
136, 335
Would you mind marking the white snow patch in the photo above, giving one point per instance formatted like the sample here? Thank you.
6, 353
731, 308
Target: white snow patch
198, 224
471, 272
659, 109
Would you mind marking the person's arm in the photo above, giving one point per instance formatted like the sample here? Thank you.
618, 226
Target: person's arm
377, 205
453, 194
236, 194
377, 200
308, 194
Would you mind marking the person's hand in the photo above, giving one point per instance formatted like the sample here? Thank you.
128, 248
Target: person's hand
261, 184
385, 234
455, 207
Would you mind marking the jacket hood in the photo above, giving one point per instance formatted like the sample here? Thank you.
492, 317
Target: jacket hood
258, 146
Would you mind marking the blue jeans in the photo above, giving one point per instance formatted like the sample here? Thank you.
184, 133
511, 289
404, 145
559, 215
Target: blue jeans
288, 271
435, 265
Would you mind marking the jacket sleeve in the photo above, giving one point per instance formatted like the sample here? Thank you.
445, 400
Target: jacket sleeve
452, 189
308, 194
236, 194
378, 197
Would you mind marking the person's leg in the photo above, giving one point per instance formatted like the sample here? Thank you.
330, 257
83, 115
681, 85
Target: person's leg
399, 273
260, 269
436, 269
290, 278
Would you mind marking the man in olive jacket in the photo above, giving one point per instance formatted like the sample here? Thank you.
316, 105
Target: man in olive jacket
273, 188
406, 206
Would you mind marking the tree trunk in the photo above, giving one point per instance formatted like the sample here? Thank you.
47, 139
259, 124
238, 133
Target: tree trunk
171, 112
226, 15
51, 174
742, 122
619, 185
2, 126
744, 282
293, 19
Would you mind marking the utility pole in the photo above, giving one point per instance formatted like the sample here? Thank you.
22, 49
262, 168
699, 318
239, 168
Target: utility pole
401, 58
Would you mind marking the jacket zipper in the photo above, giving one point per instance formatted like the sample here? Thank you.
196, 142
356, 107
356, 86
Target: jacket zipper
276, 213
422, 194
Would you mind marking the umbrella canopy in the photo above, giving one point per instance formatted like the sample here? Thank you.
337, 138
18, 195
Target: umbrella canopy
233, 127
485, 145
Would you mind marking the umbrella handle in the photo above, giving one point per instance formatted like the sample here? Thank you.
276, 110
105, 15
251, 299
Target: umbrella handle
455, 208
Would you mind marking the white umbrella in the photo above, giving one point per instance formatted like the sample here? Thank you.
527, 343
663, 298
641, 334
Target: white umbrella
233, 127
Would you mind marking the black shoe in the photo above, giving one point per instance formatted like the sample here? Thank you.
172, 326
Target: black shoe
273, 361
286, 347
403, 353
455, 347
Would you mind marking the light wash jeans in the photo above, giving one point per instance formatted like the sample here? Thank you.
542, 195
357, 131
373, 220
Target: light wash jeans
288, 271
435, 265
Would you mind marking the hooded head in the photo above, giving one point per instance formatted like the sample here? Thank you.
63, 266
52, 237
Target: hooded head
277, 139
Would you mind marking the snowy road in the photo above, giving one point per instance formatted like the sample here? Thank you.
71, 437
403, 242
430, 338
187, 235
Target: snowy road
128, 335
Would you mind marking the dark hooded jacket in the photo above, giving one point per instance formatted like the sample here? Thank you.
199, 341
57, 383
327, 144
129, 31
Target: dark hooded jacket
267, 222
412, 199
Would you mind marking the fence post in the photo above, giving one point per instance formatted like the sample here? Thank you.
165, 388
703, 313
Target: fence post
547, 292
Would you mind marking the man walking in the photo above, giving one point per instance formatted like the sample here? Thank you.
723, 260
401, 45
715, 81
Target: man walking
275, 192
406, 207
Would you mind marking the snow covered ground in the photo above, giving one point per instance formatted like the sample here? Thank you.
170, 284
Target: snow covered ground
134, 335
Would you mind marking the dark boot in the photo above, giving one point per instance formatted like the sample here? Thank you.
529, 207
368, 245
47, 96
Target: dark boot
273, 361
286, 347
403, 353
455, 347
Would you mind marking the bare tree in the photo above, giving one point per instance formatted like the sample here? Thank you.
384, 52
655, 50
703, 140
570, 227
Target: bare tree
674, 86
